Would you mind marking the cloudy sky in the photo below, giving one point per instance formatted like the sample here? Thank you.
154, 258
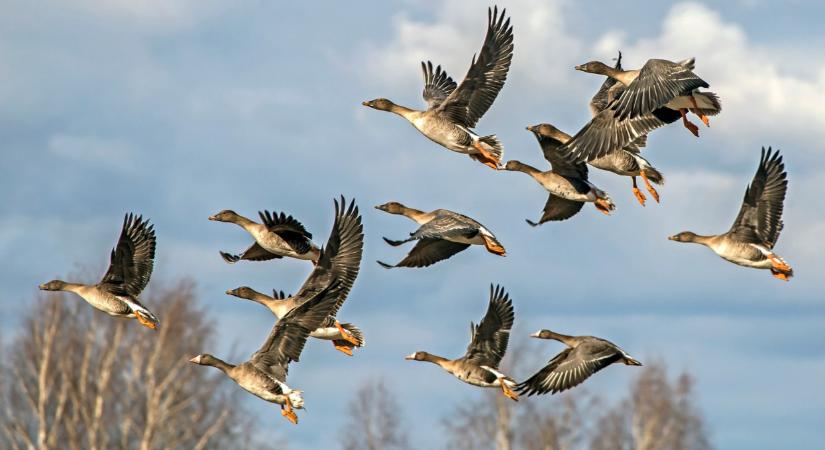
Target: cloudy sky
177, 110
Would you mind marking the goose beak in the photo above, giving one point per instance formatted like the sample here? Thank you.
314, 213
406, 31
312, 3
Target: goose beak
365, 103
579, 67
229, 292
410, 357
213, 217
196, 359
42, 287
671, 238
537, 334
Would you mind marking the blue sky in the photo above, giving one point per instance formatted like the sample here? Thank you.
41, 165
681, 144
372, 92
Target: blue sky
178, 110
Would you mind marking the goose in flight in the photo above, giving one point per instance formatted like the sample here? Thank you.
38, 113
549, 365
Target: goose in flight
442, 234
453, 111
751, 239
129, 271
488, 343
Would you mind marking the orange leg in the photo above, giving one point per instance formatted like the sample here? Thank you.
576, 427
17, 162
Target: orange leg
702, 117
144, 321
485, 158
288, 412
780, 275
778, 263
636, 192
649, 187
346, 334
509, 393
493, 247
343, 346
603, 205
688, 124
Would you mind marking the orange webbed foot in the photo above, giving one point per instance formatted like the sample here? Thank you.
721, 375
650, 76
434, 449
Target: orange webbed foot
145, 321
346, 334
509, 393
343, 347
639, 196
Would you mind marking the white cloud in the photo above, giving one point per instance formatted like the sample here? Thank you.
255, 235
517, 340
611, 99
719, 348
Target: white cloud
543, 49
757, 92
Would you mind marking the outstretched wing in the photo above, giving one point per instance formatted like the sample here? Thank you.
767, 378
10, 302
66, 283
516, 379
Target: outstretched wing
760, 218
427, 252
606, 133
437, 85
340, 258
289, 229
556, 209
570, 368
551, 148
659, 82
488, 71
287, 338
132, 259
490, 337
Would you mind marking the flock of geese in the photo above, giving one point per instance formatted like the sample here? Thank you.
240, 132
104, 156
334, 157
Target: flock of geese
629, 105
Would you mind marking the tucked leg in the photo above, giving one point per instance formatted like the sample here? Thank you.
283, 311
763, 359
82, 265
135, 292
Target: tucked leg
778, 263
485, 157
688, 124
145, 321
637, 193
343, 346
493, 247
702, 117
346, 334
603, 205
650, 187
288, 412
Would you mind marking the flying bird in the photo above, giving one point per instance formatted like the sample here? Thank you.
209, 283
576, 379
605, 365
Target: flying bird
626, 161
751, 239
442, 234
341, 260
279, 235
643, 100
488, 343
566, 182
453, 111
129, 271
584, 356
264, 374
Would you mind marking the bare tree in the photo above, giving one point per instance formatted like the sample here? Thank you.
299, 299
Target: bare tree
78, 379
658, 415
375, 420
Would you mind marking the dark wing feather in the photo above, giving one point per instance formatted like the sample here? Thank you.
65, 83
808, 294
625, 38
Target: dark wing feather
437, 85
254, 253
448, 224
428, 251
490, 337
605, 133
760, 218
289, 229
551, 148
558, 208
340, 258
602, 97
287, 338
659, 82
132, 259
570, 368
488, 71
